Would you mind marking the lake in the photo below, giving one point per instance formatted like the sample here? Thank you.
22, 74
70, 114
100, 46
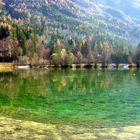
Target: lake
87, 98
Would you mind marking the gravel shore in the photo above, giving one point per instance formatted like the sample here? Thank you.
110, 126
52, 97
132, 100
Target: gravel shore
12, 129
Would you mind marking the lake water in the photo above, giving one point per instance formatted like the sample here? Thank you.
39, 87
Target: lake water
83, 97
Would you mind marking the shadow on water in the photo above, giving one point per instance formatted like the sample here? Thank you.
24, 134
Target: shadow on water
95, 98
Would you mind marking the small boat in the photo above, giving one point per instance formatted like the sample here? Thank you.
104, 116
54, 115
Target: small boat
23, 67
126, 67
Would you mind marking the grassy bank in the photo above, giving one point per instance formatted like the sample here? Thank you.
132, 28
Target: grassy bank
7, 67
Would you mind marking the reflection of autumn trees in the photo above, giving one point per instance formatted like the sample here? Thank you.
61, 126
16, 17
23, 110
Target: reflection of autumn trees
53, 85
58, 94
40, 93
82, 82
23, 82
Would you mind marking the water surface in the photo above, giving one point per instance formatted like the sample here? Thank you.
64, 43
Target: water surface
102, 98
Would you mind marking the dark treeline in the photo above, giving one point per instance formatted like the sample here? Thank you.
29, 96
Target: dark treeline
28, 44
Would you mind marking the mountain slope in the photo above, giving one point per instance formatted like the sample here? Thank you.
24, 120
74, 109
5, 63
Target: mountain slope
130, 7
73, 17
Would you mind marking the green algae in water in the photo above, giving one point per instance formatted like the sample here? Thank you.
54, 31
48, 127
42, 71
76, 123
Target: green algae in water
108, 98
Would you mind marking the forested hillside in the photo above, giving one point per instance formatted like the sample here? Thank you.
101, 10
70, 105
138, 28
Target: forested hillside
78, 18
68, 31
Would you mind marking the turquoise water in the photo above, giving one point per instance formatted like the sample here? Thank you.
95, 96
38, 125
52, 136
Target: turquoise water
94, 98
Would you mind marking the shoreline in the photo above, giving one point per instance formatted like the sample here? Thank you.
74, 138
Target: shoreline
76, 66
20, 129
11, 66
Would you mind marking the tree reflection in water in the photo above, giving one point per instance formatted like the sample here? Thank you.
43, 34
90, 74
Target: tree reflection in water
97, 98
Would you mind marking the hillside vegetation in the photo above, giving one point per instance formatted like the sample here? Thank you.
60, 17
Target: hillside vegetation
67, 31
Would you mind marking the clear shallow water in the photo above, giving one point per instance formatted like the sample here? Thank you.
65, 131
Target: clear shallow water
103, 98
